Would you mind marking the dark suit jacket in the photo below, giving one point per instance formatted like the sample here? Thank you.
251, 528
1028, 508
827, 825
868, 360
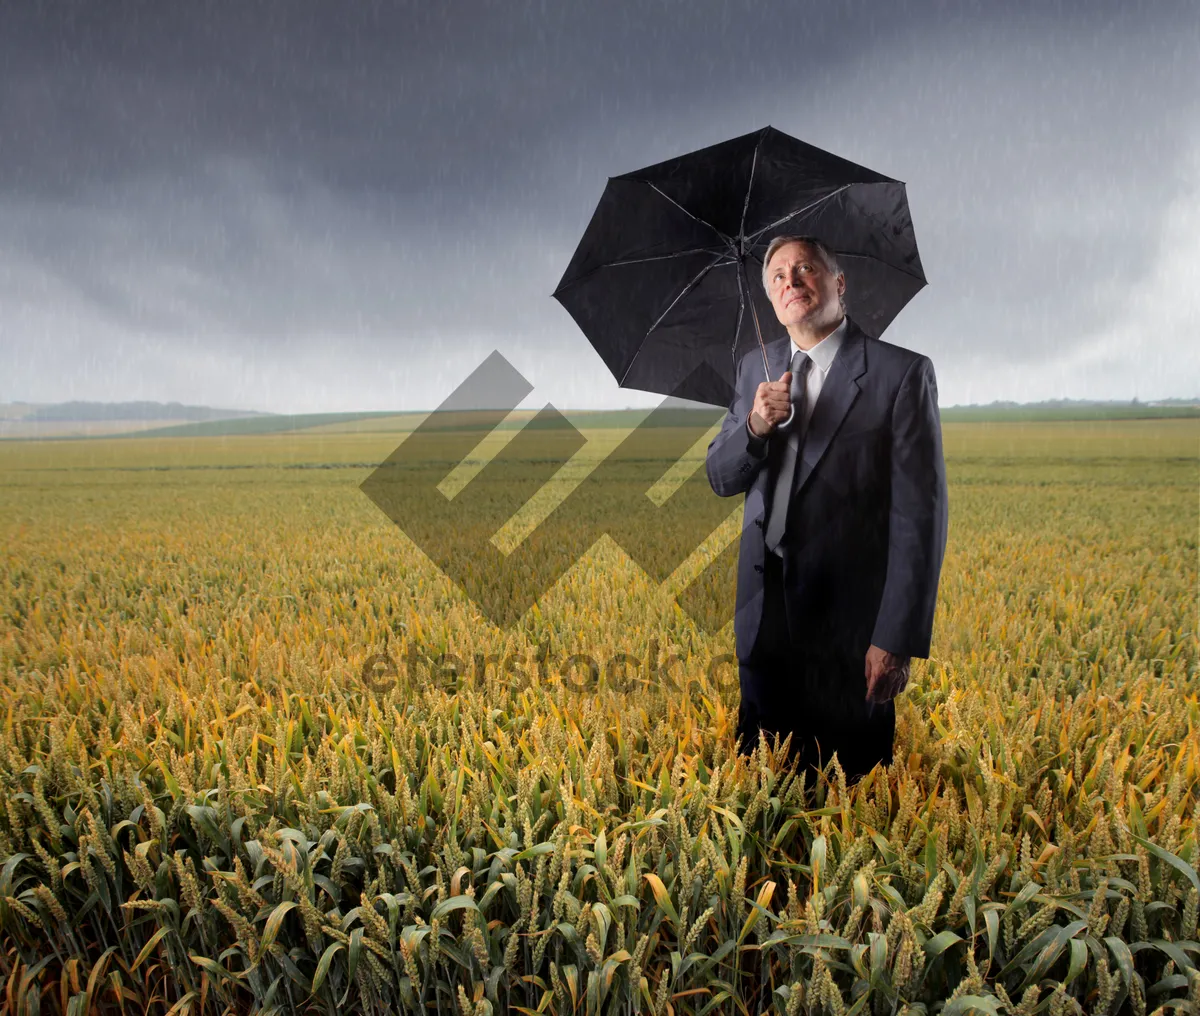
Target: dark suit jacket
867, 522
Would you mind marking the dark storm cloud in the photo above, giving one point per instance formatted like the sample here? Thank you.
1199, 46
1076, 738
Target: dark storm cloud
339, 206
394, 98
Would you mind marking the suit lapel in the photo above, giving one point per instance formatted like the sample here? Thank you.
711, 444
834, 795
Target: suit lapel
779, 357
838, 393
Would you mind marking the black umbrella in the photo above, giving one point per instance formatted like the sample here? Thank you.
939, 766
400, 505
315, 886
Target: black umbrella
667, 277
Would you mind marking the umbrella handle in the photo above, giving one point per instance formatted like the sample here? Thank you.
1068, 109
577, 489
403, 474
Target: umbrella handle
754, 314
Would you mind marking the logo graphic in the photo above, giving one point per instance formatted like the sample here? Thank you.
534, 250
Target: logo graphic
456, 532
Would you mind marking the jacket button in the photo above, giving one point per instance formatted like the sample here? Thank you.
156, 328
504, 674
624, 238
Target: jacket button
758, 568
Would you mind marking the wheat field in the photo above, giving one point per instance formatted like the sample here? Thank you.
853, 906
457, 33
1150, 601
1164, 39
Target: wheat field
260, 755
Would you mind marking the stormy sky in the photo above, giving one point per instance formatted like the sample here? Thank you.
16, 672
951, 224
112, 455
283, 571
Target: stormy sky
303, 207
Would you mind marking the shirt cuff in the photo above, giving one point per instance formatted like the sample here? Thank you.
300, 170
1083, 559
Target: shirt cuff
755, 445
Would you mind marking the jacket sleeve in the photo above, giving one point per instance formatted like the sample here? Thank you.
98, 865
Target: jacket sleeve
735, 455
918, 517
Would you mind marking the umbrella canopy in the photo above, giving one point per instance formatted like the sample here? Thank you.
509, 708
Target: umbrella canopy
666, 282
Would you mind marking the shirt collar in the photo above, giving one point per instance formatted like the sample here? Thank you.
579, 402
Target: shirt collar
823, 352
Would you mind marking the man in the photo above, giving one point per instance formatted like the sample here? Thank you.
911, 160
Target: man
845, 521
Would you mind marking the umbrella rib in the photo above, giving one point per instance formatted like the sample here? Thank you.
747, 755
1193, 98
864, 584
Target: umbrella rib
737, 331
658, 257
633, 261
799, 211
749, 186
868, 257
682, 293
728, 239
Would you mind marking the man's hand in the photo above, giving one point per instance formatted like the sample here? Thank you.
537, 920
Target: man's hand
772, 404
887, 674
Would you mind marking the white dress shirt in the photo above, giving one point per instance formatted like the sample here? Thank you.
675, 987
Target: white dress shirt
822, 355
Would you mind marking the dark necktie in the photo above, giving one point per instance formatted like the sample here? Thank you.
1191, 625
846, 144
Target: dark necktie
782, 492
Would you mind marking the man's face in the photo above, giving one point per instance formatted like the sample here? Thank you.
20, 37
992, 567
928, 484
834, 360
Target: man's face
802, 290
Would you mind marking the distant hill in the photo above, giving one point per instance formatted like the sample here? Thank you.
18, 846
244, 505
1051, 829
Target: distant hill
629, 418
263, 423
1070, 409
173, 419
16, 410
105, 419
81, 411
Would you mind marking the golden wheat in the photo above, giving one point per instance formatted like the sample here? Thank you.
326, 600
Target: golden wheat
208, 808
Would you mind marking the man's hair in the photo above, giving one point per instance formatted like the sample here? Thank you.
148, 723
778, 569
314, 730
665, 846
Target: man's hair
825, 255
